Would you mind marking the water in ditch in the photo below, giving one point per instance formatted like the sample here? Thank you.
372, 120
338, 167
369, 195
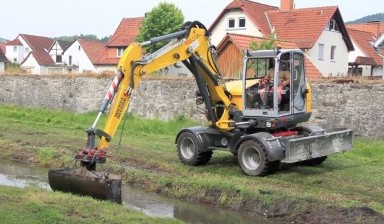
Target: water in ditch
21, 175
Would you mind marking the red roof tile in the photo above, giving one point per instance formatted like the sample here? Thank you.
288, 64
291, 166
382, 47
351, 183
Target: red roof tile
364, 39
364, 61
2, 56
311, 70
106, 59
256, 11
37, 43
304, 26
15, 42
92, 48
126, 32
124, 35
376, 28
242, 42
301, 26
42, 58
3, 47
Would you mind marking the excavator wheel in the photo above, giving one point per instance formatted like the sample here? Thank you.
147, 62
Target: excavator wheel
189, 150
253, 159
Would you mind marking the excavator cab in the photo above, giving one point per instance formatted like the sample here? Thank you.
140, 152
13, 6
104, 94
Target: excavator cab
275, 85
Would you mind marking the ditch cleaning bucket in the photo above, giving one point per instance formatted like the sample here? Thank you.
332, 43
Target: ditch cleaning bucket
80, 181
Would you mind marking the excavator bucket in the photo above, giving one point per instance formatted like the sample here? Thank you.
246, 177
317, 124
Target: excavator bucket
80, 181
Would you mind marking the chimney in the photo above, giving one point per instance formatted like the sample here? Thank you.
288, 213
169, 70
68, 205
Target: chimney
286, 5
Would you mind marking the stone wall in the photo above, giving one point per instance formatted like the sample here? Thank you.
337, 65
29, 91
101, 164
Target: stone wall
356, 106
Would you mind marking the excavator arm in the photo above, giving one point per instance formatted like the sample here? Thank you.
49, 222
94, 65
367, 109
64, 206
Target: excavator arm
189, 45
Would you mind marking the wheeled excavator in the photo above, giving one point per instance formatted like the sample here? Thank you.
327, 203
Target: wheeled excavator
262, 130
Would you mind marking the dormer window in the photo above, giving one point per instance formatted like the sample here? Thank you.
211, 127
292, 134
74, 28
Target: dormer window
333, 25
231, 23
241, 22
120, 52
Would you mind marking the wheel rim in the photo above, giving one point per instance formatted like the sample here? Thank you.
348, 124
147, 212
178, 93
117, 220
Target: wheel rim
251, 158
187, 148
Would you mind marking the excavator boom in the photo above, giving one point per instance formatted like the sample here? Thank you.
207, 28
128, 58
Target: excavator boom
189, 45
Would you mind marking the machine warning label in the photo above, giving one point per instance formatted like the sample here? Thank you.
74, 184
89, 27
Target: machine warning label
120, 106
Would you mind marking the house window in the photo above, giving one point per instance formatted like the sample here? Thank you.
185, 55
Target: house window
79, 48
231, 23
321, 52
27, 50
70, 60
120, 52
14, 48
59, 58
241, 22
333, 25
333, 52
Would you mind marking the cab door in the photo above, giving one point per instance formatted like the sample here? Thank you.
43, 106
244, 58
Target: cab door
298, 83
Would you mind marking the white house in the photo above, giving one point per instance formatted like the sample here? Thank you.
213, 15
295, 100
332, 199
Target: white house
19, 48
241, 17
40, 63
320, 31
365, 60
57, 50
47, 62
81, 55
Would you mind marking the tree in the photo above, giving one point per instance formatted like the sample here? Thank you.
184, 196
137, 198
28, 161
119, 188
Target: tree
162, 19
266, 44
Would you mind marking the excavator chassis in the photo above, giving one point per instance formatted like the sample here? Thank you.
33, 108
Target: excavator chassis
80, 181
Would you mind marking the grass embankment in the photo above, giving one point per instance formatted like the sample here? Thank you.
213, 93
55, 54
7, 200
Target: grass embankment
35, 205
347, 187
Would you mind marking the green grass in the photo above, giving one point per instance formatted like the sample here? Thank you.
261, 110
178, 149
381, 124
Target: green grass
351, 179
33, 205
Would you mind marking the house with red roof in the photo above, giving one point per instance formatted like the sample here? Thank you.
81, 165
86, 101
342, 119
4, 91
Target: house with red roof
124, 35
64, 57
365, 60
19, 48
319, 32
375, 27
81, 55
230, 54
57, 50
40, 63
47, 62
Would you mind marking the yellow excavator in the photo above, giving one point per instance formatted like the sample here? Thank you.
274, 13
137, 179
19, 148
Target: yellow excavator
255, 117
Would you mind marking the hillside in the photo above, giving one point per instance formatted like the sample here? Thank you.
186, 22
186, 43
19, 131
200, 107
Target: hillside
374, 17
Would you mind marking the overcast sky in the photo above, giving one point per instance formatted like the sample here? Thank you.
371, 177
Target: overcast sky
101, 17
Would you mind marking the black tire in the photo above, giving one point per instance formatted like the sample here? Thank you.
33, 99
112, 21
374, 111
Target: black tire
188, 150
253, 159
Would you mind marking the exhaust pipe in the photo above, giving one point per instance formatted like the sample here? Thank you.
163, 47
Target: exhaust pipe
80, 181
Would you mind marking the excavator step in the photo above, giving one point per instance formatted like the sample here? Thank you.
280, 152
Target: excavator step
80, 181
